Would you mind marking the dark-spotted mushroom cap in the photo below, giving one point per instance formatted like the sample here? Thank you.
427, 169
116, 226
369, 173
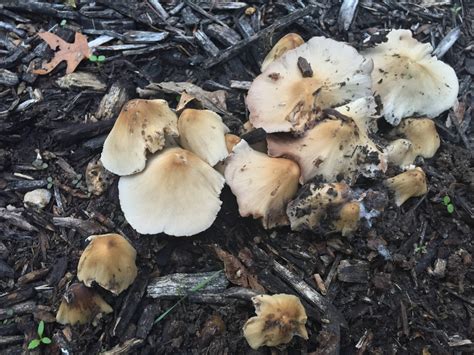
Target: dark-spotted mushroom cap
284, 44
411, 183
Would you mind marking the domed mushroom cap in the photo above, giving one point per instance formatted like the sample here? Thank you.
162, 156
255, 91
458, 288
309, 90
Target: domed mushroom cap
109, 260
81, 305
287, 42
203, 133
319, 74
142, 125
263, 185
409, 80
177, 194
411, 183
348, 218
279, 318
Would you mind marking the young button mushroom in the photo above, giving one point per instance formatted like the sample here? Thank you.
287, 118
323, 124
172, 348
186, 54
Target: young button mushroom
348, 218
109, 260
263, 185
409, 80
287, 42
279, 318
319, 74
177, 194
142, 125
81, 304
203, 133
411, 183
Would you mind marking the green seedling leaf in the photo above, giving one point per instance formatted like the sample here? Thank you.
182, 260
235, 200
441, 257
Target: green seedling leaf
34, 344
93, 58
101, 58
46, 340
450, 208
446, 200
63, 23
41, 329
50, 185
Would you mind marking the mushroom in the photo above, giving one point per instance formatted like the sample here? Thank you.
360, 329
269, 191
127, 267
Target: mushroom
263, 185
81, 304
231, 140
348, 218
284, 44
202, 132
319, 74
142, 125
399, 152
409, 79
279, 318
177, 194
109, 260
411, 183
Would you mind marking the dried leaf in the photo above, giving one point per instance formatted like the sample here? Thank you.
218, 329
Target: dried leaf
72, 53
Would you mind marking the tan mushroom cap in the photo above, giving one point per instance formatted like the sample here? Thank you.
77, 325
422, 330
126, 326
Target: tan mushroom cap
348, 218
231, 140
399, 152
411, 183
203, 133
177, 194
263, 185
279, 318
282, 100
284, 44
409, 80
81, 305
143, 125
109, 260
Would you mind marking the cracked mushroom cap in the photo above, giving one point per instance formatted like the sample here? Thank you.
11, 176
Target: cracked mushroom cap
177, 194
279, 318
263, 185
203, 133
319, 74
143, 125
284, 44
109, 260
411, 183
81, 304
409, 80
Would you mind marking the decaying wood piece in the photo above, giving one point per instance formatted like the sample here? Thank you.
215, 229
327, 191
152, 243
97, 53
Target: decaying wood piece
81, 80
356, 271
126, 347
147, 320
18, 309
17, 296
15, 218
346, 13
74, 132
112, 102
85, 227
11, 340
8, 78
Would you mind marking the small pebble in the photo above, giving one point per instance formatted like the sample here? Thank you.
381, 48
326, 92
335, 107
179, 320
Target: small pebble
38, 198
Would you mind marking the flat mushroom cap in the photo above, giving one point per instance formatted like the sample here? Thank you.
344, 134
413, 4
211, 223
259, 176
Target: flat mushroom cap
263, 185
109, 260
281, 99
177, 194
411, 183
81, 305
279, 318
409, 80
284, 44
142, 125
202, 132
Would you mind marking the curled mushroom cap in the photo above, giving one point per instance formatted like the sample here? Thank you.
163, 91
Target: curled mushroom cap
177, 194
287, 42
202, 132
318, 74
409, 80
142, 125
263, 185
279, 318
411, 183
81, 304
109, 260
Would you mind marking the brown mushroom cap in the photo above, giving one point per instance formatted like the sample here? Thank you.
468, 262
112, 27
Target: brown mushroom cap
142, 125
279, 318
411, 183
109, 260
81, 305
177, 194
348, 218
263, 185
422, 134
284, 44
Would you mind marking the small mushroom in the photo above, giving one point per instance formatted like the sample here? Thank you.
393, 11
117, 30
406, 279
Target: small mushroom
203, 133
263, 185
81, 304
109, 260
411, 183
279, 318
409, 79
348, 218
177, 194
399, 152
284, 44
422, 134
143, 125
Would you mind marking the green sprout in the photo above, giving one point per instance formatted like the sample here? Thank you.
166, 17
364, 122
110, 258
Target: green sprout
63, 23
50, 182
41, 339
97, 58
420, 248
448, 204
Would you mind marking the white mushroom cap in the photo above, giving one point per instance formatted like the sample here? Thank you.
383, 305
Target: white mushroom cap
364, 113
409, 80
400, 152
284, 44
202, 132
282, 100
411, 183
177, 194
263, 185
142, 125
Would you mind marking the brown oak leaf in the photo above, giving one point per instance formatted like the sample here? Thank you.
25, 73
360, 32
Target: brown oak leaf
72, 53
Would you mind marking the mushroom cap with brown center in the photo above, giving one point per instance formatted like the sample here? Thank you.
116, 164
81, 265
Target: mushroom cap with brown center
411, 183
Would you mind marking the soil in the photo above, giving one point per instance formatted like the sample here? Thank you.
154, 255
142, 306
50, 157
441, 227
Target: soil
386, 280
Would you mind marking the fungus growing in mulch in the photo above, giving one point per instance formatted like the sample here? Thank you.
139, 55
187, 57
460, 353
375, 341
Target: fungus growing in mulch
108, 260
284, 44
411, 183
81, 305
409, 80
279, 318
